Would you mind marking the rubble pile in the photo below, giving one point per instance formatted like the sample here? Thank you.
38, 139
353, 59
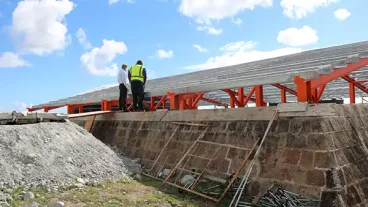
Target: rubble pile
54, 154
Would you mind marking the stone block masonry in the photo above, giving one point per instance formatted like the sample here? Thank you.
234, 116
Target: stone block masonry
320, 153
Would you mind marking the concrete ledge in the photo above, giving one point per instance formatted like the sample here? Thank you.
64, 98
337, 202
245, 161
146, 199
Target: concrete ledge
237, 114
132, 116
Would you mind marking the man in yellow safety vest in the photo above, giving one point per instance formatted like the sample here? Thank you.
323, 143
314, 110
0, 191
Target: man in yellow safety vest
137, 77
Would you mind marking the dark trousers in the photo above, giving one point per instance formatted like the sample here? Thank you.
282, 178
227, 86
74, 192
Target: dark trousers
123, 97
138, 95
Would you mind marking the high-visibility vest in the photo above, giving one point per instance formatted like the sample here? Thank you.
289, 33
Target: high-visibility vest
136, 72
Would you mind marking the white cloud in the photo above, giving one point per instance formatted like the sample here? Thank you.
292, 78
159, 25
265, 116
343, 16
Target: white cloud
151, 74
100, 88
82, 38
237, 21
297, 9
241, 52
205, 12
38, 27
21, 106
200, 48
298, 37
342, 14
208, 10
238, 46
210, 30
116, 1
161, 54
11, 60
99, 60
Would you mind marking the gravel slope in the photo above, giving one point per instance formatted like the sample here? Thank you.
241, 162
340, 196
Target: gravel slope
49, 154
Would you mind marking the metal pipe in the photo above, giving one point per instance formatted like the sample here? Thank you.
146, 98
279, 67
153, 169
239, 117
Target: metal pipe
245, 178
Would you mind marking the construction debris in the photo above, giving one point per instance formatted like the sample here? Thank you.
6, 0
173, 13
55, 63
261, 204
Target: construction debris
30, 118
56, 154
276, 196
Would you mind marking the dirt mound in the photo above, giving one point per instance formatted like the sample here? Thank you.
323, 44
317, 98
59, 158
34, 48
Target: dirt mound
50, 154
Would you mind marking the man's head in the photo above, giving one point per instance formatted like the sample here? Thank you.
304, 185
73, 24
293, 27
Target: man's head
139, 62
124, 66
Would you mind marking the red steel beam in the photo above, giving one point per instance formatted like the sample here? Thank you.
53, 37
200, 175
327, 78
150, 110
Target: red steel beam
130, 107
214, 102
289, 90
361, 81
320, 92
33, 109
249, 96
148, 106
356, 84
337, 73
195, 102
232, 97
162, 101
48, 108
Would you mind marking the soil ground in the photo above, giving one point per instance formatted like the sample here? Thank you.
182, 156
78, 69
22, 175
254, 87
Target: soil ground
115, 194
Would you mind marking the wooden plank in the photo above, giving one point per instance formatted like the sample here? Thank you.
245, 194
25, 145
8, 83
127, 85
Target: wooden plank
88, 114
89, 123
163, 149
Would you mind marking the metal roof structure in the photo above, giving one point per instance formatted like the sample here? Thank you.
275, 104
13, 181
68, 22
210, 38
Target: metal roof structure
308, 65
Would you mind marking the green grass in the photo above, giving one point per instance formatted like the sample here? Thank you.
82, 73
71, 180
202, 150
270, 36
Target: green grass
115, 194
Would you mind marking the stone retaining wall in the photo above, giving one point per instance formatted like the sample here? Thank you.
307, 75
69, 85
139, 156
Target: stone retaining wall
320, 153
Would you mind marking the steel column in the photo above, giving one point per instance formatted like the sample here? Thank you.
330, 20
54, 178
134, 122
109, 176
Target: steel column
259, 96
174, 101
304, 89
283, 94
183, 104
152, 102
352, 92
70, 109
241, 96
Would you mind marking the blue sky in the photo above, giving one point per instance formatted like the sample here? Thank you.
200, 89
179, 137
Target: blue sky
52, 49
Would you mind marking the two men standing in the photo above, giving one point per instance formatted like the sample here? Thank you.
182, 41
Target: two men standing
137, 77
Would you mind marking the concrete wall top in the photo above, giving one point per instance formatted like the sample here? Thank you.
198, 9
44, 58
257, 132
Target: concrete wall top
134, 116
237, 114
